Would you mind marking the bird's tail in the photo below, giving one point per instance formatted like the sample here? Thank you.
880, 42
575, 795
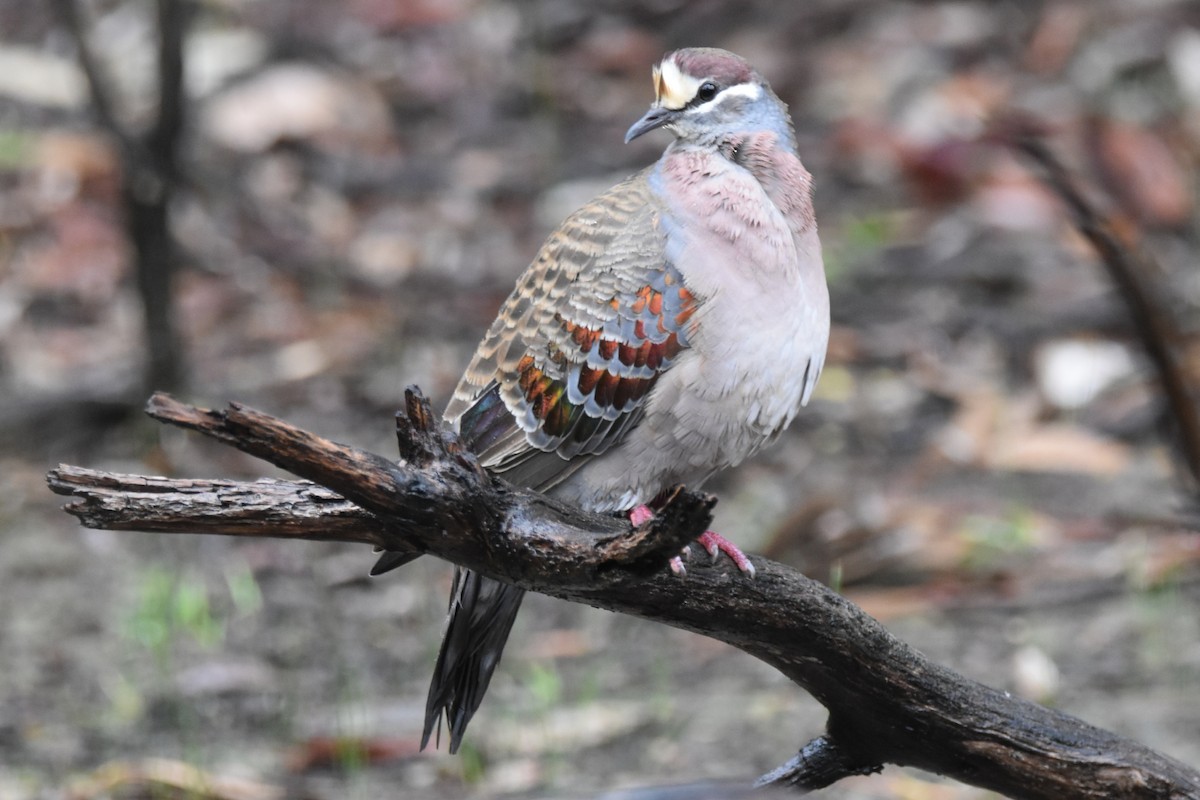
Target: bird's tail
481, 615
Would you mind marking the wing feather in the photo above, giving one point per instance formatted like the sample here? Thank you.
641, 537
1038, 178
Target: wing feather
564, 372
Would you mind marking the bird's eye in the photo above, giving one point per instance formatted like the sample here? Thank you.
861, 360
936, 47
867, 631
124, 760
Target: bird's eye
707, 91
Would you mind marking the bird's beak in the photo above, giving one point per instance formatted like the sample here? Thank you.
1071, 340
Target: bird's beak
656, 117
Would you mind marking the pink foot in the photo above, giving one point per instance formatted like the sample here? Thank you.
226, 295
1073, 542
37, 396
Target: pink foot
712, 541
715, 543
640, 515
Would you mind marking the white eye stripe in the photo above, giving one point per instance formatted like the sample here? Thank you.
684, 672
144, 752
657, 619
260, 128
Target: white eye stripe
749, 90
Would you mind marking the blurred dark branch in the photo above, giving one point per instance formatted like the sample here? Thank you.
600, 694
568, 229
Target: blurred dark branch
887, 703
172, 25
102, 103
1150, 315
150, 174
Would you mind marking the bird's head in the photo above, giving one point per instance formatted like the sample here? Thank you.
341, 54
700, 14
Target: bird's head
704, 94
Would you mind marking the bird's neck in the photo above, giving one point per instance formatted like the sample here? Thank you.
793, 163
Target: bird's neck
772, 160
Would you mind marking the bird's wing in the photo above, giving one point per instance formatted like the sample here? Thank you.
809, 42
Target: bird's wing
564, 371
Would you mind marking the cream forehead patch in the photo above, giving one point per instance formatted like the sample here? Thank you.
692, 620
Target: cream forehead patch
672, 88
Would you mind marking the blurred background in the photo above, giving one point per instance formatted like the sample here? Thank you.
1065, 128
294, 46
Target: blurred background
350, 190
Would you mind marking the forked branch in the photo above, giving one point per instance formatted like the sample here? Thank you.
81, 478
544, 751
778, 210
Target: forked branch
887, 703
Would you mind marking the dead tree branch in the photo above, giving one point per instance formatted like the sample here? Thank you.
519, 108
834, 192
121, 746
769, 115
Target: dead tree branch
887, 703
1150, 317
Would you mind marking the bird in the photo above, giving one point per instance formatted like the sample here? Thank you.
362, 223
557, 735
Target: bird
665, 331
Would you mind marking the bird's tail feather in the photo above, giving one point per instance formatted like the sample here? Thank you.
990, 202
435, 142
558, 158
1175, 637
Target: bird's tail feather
481, 615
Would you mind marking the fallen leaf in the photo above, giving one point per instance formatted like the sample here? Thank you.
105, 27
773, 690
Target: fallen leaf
331, 752
81, 158
559, 643
391, 16
967, 437
1010, 198
296, 101
941, 173
1142, 172
1167, 555
1060, 447
166, 779
1056, 37
86, 257
568, 729
892, 602
1005, 433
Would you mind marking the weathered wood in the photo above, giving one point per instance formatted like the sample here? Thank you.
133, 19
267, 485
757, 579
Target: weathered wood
887, 703
262, 508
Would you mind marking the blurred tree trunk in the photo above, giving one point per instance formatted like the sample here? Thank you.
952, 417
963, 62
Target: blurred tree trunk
150, 174
149, 218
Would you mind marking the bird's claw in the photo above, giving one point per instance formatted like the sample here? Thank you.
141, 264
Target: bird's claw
715, 543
